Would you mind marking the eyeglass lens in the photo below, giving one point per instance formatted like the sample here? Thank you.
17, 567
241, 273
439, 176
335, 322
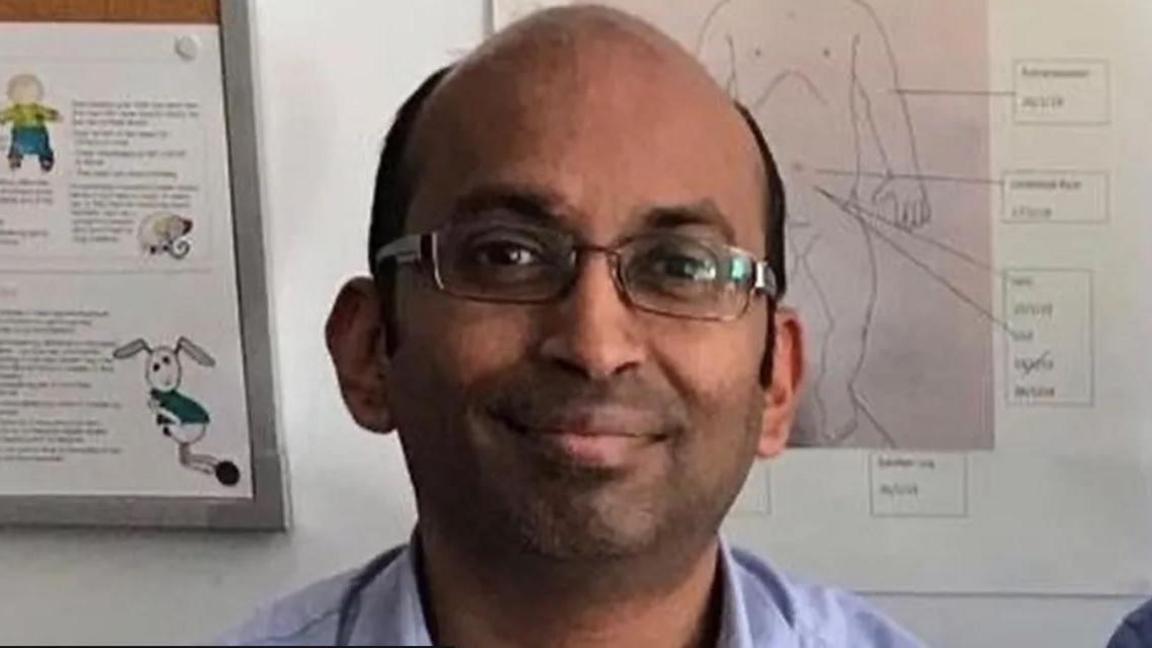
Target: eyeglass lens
666, 273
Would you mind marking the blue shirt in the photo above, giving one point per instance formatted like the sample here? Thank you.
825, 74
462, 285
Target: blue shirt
761, 608
1136, 629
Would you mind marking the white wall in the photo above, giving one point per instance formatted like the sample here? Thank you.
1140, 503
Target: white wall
331, 73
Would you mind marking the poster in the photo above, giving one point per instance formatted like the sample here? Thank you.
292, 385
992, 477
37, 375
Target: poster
966, 245
122, 368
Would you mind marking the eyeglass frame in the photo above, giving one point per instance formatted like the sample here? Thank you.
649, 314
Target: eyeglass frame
415, 249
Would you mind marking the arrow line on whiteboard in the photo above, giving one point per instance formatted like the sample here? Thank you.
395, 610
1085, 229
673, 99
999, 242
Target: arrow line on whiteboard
944, 92
855, 211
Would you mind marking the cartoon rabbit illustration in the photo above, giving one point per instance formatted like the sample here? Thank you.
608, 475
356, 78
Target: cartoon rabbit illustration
178, 416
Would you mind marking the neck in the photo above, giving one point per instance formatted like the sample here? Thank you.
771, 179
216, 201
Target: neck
477, 602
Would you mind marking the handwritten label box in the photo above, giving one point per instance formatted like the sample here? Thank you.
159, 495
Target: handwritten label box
1062, 91
1050, 342
1049, 196
918, 484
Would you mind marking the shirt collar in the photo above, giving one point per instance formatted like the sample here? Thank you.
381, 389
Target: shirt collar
749, 619
391, 610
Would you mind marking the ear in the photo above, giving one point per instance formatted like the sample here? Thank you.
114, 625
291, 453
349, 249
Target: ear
782, 395
131, 349
192, 350
355, 341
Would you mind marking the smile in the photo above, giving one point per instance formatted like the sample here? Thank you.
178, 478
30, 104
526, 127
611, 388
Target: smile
605, 438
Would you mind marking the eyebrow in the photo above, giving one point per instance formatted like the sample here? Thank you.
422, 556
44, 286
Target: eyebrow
530, 202
702, 213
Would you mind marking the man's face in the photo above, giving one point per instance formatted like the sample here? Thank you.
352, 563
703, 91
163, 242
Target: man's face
581, 427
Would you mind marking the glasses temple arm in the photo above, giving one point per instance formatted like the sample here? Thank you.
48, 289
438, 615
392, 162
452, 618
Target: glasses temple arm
765, 280
407, 249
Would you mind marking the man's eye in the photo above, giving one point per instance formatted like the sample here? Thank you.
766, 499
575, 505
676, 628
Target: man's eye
682, 267
505, 253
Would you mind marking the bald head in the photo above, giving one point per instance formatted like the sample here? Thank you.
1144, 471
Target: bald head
582, 43
556, 72
565, 99
578, 26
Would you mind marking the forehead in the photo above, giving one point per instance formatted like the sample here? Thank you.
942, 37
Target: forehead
611, 133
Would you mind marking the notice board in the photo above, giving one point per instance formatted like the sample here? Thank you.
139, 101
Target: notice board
135, 369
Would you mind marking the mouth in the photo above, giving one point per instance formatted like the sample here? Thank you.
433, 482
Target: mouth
603, 438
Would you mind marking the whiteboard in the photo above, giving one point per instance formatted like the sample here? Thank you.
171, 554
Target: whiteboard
966, 182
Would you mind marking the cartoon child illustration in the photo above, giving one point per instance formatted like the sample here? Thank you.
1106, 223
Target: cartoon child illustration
179, 417
165, 234
28, 117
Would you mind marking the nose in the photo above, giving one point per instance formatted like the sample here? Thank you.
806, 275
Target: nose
593, 331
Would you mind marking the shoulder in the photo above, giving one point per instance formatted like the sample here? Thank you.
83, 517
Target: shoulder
819, 617
1136, 629
313, 615
307, 617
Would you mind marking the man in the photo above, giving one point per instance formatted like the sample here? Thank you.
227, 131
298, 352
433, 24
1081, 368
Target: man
573, 325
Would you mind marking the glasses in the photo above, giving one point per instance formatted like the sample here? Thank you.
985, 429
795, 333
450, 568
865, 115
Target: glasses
664, 273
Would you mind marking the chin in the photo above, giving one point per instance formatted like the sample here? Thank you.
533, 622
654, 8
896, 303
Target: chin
573, 530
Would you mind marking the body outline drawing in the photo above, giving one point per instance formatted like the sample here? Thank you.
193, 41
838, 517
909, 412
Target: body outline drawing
842, 349
911, 237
